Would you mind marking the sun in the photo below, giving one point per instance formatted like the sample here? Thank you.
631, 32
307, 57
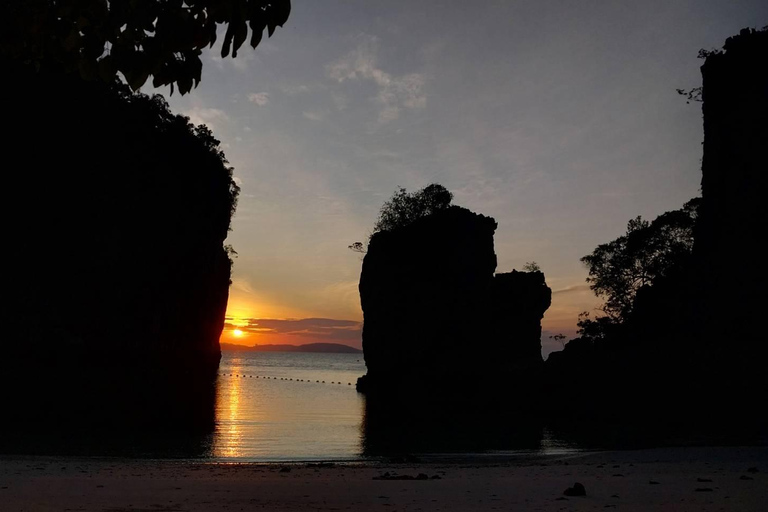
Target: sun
237, 333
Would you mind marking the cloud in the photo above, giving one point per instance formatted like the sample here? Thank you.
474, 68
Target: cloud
240, 63
394, 92
292, 90
313, 115
259, 98
211, 117
571, 289
303, 330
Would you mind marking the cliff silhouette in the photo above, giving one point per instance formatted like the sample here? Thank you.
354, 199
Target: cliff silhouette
733, 215
429, 297
117, 279
447, 344
692, 346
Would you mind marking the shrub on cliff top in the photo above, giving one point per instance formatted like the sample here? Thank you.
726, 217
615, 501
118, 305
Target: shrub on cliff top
403, 208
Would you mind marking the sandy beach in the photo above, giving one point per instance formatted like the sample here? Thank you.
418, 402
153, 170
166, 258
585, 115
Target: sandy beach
695, 479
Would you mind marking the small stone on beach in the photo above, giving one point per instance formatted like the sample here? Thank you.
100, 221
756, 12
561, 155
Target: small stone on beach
577, 490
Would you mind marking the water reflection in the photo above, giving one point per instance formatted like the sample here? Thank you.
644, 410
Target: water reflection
271, 407
283, 406
424, 427
293, 406
112, 407
228, 432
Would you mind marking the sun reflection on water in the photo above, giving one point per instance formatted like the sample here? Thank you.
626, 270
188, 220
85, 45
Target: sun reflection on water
228, 424
286, 406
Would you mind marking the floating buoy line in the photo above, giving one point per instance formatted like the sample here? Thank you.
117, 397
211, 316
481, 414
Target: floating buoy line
244, 376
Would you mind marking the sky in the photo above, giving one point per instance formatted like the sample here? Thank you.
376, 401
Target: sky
560, 119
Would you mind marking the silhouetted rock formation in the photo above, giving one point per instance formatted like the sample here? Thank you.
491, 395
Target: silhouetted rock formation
519, 300
116, 281
436, 320
693, 344
734, 183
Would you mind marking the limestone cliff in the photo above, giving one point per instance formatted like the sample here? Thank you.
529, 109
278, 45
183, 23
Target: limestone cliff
433, 310
734, 181
693, 346
115, 212
518, 303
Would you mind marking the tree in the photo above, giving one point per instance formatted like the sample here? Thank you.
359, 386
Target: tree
404, 208
531, 266
648, 251
596, 330
560, 338
358, 247
137, 38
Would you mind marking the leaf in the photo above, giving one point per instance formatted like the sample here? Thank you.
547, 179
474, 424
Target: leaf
185, 84
227, 41
277, 15
241, 32
257, 30
211, 28
88, 69
107, 68
194, 68
281, 10
137, 78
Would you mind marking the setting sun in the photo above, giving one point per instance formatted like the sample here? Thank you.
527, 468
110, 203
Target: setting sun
237, 333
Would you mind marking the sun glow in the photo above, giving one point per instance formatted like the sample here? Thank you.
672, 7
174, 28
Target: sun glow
237, 333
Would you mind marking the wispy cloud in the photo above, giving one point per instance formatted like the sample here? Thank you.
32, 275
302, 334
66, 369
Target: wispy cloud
304, 330
292, 90
259, 98
211, 117
571, 289
313, 115
394, 92
241, 63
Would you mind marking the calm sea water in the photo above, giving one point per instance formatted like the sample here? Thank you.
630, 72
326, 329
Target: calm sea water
288, 406
274, 406
300, 407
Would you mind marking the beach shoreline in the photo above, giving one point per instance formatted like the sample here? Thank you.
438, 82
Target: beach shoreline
692, 478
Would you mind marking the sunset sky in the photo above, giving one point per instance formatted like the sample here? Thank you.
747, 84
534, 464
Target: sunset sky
559, 119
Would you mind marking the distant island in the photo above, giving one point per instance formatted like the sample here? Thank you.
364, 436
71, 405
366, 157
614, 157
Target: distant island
327, 348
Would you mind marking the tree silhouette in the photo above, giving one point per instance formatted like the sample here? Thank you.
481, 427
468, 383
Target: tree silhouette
357, 247
648, 250
403, 207
531, 266
137, 38
560, 338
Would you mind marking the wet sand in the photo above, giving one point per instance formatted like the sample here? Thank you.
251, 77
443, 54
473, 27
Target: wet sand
680, 479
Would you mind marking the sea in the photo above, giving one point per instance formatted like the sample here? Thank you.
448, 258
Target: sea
282, 406
286, 406
299, 407
274, 407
